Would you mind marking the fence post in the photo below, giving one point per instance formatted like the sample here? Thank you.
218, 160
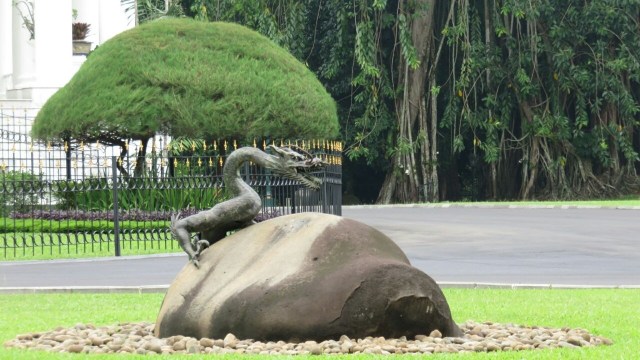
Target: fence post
67, 158
325, 190
116, 220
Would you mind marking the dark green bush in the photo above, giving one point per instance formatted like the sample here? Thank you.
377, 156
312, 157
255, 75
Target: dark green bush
189, 78
8, 225
147, 194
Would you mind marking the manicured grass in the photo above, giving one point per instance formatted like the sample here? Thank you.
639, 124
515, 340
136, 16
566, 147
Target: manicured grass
610, 313
47, 246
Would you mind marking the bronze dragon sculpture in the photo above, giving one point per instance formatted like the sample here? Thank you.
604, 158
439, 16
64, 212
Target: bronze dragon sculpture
239, 211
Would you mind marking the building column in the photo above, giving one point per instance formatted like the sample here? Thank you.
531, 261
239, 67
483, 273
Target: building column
53, 47
23, 53
6, 46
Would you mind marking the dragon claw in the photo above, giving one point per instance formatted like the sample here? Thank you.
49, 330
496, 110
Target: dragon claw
201, 245
198, 246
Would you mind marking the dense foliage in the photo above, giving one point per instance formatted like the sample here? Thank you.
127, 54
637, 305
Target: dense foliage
188, 78
28, 225
141, 193
19, 191
469, 99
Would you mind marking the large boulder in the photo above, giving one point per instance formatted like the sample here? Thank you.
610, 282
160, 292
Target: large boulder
300, 277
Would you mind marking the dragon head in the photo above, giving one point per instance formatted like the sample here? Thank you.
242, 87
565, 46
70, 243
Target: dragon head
296, 165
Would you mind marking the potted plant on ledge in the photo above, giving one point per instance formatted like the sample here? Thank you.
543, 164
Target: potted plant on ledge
79, 32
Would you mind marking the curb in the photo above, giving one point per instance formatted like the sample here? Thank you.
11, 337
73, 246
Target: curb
94, 259
149, 289
472, 285
488, 206
85, 289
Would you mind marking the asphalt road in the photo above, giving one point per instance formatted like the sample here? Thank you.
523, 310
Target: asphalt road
455, 244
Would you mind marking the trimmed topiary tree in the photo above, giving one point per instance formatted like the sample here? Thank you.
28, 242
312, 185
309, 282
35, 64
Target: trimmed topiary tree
188, 78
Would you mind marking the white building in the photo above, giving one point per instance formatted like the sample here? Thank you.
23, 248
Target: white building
37, 60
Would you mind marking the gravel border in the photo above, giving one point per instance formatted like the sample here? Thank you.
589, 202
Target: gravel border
137, 338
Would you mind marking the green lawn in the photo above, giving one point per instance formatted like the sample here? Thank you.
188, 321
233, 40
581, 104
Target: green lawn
614, 314
46, 246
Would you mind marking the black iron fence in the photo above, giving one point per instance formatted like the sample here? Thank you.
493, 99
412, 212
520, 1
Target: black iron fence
75, 198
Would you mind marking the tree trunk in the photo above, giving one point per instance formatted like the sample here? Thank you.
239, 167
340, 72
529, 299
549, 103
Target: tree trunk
488, 40
401, 182
141, 158
530, 165
531, 168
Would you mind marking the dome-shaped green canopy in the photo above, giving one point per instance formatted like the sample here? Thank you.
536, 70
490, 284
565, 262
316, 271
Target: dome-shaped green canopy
189, 78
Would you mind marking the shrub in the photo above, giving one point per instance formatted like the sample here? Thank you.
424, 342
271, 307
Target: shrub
75, 226
146, 194
189, 78
19, 191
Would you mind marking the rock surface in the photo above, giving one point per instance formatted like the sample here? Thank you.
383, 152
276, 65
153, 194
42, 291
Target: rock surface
137, 338
303, 277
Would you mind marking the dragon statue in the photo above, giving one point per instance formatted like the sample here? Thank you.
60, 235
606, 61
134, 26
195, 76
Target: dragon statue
239, 211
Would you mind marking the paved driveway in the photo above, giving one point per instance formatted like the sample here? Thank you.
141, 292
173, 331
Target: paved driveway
516, 245
455, 244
